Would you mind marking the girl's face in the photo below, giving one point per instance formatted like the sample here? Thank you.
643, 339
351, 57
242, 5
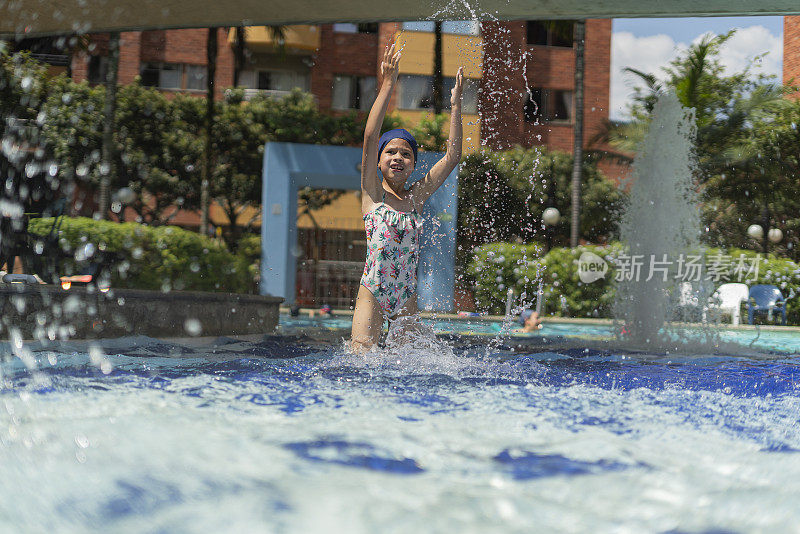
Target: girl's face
397, 162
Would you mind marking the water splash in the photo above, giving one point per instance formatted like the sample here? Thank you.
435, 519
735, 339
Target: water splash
660, 222
412, 348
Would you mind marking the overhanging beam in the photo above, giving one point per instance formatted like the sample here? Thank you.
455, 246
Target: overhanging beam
22, 18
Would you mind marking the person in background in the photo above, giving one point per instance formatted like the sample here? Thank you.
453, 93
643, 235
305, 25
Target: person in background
530, 322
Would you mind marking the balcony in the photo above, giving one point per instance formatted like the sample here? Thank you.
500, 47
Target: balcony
57, 60
269, 93
300, 38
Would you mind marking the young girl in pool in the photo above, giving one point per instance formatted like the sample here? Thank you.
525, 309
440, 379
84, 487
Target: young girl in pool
392, 212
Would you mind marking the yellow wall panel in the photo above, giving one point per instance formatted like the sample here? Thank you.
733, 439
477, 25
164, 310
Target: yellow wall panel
457, 51
303, 36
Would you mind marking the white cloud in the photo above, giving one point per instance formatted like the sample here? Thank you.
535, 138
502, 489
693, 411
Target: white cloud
749, 42
647, 54
651, 53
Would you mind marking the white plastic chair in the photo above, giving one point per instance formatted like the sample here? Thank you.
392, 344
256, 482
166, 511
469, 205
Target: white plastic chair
728, 298
686, 295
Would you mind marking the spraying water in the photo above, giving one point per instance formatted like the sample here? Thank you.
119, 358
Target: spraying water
661, 223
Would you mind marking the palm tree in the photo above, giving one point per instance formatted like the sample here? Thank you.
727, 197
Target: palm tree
109, 124
205, 175
278, 33
577, 139
437, 93
576, 29
723, 104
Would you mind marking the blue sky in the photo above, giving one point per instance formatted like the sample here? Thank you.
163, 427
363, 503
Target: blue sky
649, 44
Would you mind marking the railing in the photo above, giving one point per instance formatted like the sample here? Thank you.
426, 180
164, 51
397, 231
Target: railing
330, 282
269, 93
58, 60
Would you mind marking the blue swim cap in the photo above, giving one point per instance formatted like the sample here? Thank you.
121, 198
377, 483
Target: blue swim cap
397, 133
524, 316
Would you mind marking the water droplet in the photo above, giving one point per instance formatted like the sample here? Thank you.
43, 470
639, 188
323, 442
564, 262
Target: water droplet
192, 327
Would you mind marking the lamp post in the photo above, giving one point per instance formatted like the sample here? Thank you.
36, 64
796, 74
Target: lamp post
120, 199
756, 231
550, 218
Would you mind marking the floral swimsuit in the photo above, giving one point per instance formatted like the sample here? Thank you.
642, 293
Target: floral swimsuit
393, 240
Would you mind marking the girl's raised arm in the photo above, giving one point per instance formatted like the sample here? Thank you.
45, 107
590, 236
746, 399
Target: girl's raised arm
370, 185
423, 189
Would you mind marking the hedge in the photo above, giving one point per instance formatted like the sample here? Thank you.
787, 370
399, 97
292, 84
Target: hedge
498, 266
153, 257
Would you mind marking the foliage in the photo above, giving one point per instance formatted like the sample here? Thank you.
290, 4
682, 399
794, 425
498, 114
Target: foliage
157, 147
745, 145
249, 251
161, 258
502, 196
159, 141
496, 267
429, 132
566, 294
23, 87
761, 184
26, 165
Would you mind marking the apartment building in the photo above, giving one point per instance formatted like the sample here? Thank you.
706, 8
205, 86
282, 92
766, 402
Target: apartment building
528, 86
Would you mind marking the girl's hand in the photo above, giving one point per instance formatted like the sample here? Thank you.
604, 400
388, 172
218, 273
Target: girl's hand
455, 94
389, 64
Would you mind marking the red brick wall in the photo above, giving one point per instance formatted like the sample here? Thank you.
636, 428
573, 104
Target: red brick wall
341, 53
509, 62
129, 52
168, 46
791, 50
386, 34
503, 84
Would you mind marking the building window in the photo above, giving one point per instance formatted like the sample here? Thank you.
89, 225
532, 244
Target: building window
353, 92
368, 27
98, 68
174, 76
548, 105
195, 77
456, 27
551, 32
416, 92
274, 80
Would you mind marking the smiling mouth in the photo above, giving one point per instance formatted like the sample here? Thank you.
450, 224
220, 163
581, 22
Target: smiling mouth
396, 167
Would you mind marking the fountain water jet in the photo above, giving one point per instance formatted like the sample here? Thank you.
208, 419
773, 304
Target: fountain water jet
661, 223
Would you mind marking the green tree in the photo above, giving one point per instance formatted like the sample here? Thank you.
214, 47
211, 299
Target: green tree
723, 103
156, 149
502, 196
760, 183
428, 133
239, 148
742, 173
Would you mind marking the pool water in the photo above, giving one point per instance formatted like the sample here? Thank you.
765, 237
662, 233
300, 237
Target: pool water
459, 433
767, 340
